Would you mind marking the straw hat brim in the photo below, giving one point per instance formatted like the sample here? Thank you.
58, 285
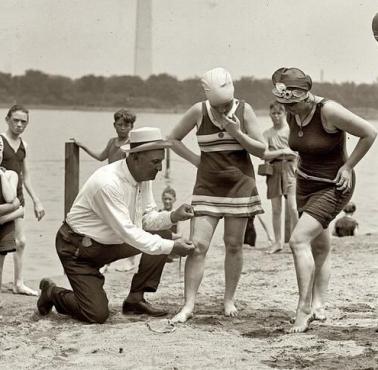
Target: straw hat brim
159, 144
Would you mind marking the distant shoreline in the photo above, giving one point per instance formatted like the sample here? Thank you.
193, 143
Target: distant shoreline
367, 113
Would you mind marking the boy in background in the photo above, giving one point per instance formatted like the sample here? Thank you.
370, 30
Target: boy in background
14, 158
346, 225
123, 124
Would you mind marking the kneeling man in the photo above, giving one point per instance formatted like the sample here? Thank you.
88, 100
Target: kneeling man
107, 222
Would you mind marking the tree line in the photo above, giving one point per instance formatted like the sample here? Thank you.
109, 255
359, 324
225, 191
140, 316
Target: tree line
157, 92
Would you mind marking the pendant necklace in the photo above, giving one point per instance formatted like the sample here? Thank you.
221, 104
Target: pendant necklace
300, 132
306, 120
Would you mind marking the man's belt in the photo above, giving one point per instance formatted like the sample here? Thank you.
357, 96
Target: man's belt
70, 236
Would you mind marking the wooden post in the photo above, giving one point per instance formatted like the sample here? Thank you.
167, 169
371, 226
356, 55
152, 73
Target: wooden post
71, 175
167, 163
287, 223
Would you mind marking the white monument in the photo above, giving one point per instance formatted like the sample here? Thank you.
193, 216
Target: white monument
143, 39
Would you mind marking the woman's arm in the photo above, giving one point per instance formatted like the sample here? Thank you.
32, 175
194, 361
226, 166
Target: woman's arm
272, 154
343, 119
185, 125
252, 140
19, 212
9, 207
9, 181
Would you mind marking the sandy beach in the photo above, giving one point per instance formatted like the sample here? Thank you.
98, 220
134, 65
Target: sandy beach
256, 339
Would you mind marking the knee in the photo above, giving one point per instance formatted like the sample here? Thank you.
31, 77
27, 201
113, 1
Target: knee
97, 315
320, 248
20, 242
296, 244
233, 245
200, 247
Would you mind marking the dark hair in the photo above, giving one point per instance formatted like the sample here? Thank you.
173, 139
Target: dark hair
125, 115
277, 105
15, 108
169, 190
350, 208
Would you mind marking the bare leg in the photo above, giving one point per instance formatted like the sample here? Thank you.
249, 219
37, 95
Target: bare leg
292, 204
234, 229
19, 287
307, 229
277, 224
202, 230
2, 258
321, 247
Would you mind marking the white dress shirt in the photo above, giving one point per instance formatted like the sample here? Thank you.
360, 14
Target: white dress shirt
112, 208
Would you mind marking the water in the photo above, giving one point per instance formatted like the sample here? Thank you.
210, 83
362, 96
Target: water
46, 134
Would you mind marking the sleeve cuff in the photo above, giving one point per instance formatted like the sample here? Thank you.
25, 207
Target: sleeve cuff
166, 246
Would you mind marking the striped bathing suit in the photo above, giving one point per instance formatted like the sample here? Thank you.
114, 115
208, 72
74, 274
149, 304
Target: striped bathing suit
225, 183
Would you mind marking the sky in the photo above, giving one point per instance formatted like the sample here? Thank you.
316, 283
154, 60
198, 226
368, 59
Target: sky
329, 39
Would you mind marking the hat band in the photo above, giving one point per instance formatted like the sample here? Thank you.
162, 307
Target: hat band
134, 145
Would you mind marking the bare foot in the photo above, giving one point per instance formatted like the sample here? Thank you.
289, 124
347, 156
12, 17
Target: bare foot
301, 323
319, 314
276, 247
23, 289
183, 316
230, 310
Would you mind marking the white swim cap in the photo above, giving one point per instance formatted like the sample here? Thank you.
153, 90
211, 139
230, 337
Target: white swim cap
218, 86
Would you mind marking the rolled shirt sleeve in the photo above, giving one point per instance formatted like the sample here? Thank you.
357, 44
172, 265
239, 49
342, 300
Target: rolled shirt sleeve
107, 202
153, 219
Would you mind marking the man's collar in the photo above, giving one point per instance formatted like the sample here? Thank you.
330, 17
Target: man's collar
128, 176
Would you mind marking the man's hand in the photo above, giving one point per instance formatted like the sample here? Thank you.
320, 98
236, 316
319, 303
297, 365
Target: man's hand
182, 247
182, 213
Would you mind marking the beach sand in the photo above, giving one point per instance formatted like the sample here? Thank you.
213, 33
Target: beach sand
256, 339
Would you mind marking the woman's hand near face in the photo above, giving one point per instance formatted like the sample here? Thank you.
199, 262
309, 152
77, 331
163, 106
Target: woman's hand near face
231, 125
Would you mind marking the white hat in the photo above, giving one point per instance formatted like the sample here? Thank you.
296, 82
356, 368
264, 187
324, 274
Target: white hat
218, 86
145, 138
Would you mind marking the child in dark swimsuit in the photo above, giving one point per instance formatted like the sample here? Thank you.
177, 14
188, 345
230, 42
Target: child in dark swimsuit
14, 158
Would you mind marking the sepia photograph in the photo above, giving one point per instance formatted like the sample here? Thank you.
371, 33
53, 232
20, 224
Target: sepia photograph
188, 184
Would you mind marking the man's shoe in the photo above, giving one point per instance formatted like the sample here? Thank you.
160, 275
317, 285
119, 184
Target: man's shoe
141, 307
44, 303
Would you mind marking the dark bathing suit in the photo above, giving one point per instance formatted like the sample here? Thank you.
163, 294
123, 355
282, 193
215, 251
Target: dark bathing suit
321, 154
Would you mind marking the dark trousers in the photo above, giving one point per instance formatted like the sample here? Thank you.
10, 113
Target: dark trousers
87, 301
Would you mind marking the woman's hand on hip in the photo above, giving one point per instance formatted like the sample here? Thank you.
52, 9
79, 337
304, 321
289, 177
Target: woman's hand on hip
343, 178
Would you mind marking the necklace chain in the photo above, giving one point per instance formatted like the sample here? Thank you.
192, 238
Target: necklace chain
300, 122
